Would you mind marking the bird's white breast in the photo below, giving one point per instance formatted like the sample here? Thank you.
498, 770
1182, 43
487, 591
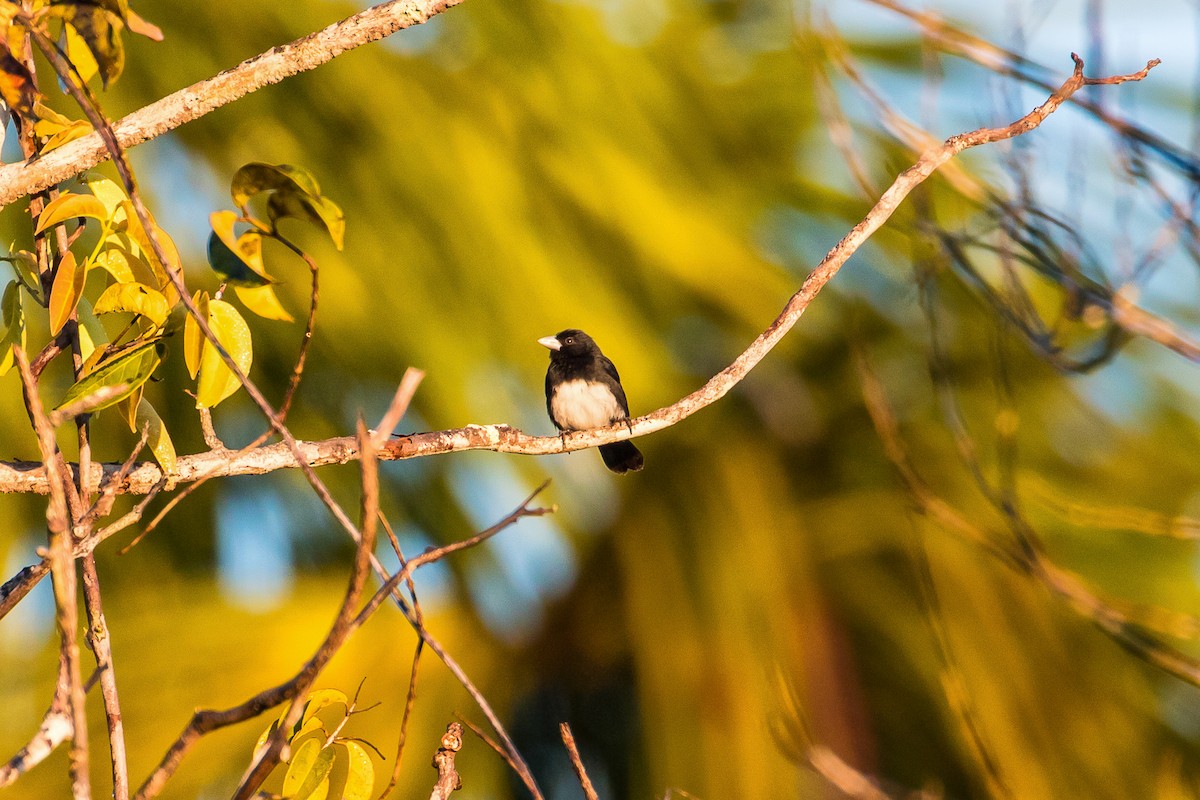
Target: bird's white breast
579, 405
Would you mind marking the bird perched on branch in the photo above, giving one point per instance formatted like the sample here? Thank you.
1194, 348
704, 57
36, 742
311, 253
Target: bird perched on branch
583, 391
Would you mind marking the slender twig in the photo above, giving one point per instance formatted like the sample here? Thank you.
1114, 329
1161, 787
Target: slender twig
585, 782
98, 638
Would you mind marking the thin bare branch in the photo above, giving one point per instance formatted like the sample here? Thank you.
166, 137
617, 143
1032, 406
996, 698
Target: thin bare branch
185, 105
62, 572
568, 738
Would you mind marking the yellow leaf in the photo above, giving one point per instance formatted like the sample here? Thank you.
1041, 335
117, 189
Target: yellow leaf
66, 291
76, 130
193, 339
217, 381
106, 191
14, 319
159, 440
263, 301
134, 298
69, 205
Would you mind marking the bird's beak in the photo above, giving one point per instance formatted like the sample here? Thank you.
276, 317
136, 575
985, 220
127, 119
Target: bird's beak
551, 342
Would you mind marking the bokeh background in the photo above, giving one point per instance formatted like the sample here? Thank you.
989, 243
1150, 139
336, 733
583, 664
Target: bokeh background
661, 173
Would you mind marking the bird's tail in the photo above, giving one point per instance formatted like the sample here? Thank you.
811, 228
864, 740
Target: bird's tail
621, 457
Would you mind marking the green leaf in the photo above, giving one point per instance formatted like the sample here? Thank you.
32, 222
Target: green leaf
321, 210
66, 291
132, 369
295, 193
225, 255
14, 322
25, 265
134, 298
309, 766
159, 440
360, 775
258, 177
216, 381
69, 205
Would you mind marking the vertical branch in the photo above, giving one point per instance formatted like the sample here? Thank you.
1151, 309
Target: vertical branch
102, 646
443, 761
62, 573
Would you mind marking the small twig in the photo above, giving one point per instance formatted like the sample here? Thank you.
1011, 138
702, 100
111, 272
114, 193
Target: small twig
568, 738
399, 405
209, 432
490, 742
443, 761
98, 638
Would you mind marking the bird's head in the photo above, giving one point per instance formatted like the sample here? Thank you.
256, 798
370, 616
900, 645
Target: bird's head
571, 343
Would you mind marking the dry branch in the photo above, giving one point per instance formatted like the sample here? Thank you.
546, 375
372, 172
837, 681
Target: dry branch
443, 761
185, 105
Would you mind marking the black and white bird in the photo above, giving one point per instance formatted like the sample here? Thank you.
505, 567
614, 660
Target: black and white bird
583, 391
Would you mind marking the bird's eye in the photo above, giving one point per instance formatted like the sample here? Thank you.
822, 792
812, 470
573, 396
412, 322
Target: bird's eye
570, 340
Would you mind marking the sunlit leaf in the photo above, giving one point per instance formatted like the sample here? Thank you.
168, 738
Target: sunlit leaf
159, 440
263, 301
69, 205
193, 338
134, 298
225, 254
360, 775
14, 325
131, 369
137, 234
79, 53
321, 699
107, 191
66, 290
123, 265
216, 381
76, 130
309, 765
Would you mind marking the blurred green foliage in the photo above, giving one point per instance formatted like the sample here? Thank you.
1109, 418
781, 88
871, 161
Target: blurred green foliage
659, 176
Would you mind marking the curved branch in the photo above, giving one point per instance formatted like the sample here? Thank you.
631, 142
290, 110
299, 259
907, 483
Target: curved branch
21, 179
29, 477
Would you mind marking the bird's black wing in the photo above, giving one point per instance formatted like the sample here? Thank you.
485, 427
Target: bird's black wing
552, 377
614, 383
